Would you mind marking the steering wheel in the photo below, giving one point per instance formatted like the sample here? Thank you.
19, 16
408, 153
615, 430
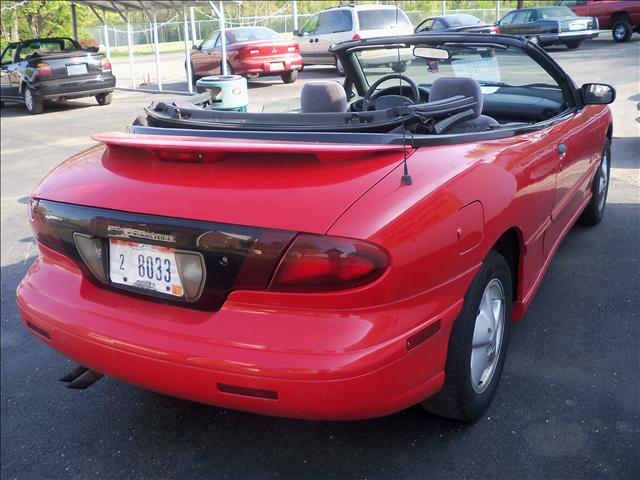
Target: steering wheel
389, 100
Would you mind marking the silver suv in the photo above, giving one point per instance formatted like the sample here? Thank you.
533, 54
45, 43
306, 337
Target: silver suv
340, 24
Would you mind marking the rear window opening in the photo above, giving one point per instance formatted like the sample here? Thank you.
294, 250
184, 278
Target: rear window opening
381, 19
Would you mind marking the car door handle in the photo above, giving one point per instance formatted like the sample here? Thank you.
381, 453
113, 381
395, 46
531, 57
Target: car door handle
562, 149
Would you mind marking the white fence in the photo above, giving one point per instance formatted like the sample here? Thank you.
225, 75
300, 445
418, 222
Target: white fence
171, 31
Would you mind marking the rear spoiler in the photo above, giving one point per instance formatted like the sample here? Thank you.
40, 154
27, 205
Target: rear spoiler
199, 149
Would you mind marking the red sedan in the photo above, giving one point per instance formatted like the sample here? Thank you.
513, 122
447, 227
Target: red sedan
251, 52
341, 262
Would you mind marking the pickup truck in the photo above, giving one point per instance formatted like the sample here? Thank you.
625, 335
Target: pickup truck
40, 69
621, 16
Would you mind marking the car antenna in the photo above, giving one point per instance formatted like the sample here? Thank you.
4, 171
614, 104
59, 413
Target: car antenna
406, 178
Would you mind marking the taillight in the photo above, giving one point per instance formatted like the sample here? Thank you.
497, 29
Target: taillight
356, 37
315, 263
494, 30
248, 51
105, 64
44, 69
293, 48
32, 209
178, 156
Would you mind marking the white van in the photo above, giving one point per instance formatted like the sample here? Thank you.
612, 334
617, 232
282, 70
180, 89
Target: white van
353, 22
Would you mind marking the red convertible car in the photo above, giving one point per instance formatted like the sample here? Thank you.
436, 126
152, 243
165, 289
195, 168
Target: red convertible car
364, 254
251, 52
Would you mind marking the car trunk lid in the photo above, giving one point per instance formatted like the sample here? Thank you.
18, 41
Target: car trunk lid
300, 186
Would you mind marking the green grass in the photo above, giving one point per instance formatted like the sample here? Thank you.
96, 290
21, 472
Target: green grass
148, 49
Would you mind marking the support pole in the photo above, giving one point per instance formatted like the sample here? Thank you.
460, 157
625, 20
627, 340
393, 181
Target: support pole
106, 33
294, 6
187, 57
194, 37
74, 21
223, 41
497, 10
157, 49
444, 7
129, 42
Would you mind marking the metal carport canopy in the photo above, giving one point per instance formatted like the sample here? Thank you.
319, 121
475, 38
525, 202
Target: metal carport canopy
121, 7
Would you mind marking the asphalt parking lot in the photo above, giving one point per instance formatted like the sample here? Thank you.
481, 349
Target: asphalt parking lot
568, 402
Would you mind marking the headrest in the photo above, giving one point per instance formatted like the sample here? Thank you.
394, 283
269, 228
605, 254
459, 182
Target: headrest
445, 87
323, 97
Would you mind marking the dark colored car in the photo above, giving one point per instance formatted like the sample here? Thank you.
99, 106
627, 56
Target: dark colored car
621, 16
251, 52
548, 26
42, 69
455, 23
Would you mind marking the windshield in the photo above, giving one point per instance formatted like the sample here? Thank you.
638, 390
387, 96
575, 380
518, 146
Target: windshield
250, 34
491, 67
463, 20
53, 45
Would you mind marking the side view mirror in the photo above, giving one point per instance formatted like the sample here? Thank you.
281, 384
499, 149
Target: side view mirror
195, 47
296, 33
597, 93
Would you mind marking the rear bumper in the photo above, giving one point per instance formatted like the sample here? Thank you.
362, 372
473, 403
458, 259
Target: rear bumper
76, 87
566, 37
189, 354
265, 66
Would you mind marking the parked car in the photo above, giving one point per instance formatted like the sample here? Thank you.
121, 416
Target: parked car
455, 23
347, 261
251, 52
352, 22
548, 26
621, 16
42, 69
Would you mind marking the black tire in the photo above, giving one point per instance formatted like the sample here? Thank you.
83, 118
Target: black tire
594, 212
32, 102
573, 45
104, 98
399, 67
289, 77
621, 30
460, 399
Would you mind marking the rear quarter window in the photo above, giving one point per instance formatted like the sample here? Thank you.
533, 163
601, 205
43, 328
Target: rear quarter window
381, 19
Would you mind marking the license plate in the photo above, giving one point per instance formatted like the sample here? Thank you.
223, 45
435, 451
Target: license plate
80, 69
577, 26
277, 66
148, 267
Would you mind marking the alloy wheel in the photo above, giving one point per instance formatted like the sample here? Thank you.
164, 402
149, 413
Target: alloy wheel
487, 336
28, 99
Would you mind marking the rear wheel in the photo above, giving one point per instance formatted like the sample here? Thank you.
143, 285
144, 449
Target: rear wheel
399, 67
104, 98
621, 30
289, 77
573, 45
477, 345
594, 212
32, 102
